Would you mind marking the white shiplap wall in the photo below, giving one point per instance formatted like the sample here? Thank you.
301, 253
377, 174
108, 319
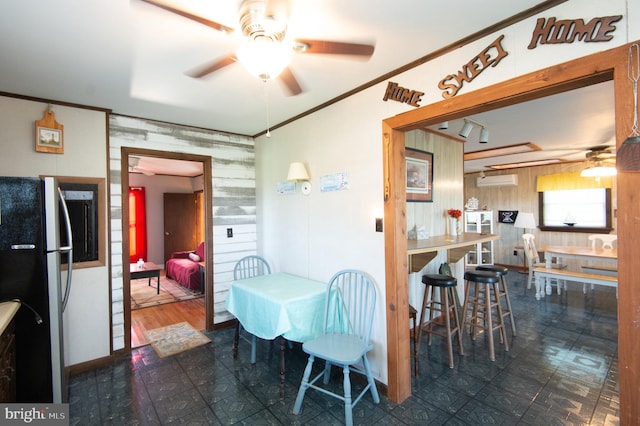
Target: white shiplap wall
234, 199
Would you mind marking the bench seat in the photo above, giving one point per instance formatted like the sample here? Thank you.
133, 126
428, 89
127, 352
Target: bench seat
564, 274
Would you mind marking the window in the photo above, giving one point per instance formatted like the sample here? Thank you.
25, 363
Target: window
576, 210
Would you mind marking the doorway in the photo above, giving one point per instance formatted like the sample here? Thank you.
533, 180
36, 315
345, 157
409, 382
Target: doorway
205, 223
592, 69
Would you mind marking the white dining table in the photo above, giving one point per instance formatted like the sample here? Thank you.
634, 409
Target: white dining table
576, 252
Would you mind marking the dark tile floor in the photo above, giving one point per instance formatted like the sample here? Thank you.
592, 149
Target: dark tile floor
562, 369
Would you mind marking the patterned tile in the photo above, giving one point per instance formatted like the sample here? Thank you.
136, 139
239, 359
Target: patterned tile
561, 369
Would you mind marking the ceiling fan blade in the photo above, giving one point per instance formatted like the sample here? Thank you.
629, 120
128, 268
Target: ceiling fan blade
212, 66
290, 82
199, 19
304, 45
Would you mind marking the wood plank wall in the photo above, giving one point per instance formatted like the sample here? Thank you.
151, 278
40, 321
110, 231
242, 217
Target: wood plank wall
234, 199
447, 194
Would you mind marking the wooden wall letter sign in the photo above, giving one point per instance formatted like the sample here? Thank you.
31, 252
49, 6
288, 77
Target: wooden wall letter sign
400, 94
568, 30
491, 56
49, 134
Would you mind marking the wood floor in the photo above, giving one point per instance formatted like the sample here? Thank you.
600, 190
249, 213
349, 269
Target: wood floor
191, 311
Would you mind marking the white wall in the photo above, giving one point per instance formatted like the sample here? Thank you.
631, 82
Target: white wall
319, 234
86, 320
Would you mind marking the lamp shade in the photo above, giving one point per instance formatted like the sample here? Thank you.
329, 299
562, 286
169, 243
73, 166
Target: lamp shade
525, 220
297, 172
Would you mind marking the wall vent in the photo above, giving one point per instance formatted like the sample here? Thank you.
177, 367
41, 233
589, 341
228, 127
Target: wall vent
497, 180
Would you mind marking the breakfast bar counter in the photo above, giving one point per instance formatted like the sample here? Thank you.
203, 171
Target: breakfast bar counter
421, 252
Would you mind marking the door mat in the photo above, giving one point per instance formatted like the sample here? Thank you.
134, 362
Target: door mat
175, 338
144, 295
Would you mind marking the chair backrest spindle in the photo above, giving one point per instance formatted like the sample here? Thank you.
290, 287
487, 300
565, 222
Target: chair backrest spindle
251, 266
350, 304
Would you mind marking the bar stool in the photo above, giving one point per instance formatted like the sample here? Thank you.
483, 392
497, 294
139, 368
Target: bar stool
482, 303
446, 306
412, 316
504, 292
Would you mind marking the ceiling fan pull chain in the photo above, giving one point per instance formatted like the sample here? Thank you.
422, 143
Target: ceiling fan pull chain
266, 101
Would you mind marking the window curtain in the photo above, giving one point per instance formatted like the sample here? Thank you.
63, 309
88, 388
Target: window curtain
569, 181
137, 225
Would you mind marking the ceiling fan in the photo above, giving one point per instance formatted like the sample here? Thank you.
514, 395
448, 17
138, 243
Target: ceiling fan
601, 161
263, 24
601, 154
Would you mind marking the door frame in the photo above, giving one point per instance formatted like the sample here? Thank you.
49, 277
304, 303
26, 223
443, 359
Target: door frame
208, 229
598, 67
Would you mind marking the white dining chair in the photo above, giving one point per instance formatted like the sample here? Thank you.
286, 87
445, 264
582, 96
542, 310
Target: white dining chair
606, 241
533, 260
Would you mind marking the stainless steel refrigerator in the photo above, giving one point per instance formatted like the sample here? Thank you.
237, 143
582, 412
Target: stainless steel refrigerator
35, 232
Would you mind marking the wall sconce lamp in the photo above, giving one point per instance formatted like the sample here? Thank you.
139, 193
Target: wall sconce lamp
298, 173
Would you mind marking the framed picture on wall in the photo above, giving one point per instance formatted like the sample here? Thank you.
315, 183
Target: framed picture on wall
507, 216
49, 134
419, 183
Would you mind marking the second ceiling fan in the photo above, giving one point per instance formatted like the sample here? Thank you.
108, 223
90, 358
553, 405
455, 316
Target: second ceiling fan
266, 50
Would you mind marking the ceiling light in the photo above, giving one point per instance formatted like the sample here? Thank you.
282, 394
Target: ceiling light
263, 57
443, 126
484, 135
466, 129
598, 171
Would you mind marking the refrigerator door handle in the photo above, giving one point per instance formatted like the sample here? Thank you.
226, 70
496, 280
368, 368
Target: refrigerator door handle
68, 249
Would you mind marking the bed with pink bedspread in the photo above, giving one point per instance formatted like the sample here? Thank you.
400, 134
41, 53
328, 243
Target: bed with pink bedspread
184, 268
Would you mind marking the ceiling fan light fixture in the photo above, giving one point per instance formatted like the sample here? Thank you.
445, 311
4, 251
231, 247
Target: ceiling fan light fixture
599, 171
263, 57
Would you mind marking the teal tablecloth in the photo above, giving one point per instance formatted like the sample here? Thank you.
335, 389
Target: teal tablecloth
278, 304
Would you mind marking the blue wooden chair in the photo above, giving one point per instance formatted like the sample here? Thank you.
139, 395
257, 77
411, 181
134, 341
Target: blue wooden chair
248, 267
349, 307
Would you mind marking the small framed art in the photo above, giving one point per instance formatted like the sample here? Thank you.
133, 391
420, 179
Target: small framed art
419, 184
49, 134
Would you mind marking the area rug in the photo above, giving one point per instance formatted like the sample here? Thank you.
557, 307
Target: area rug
175, 338
144, 295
